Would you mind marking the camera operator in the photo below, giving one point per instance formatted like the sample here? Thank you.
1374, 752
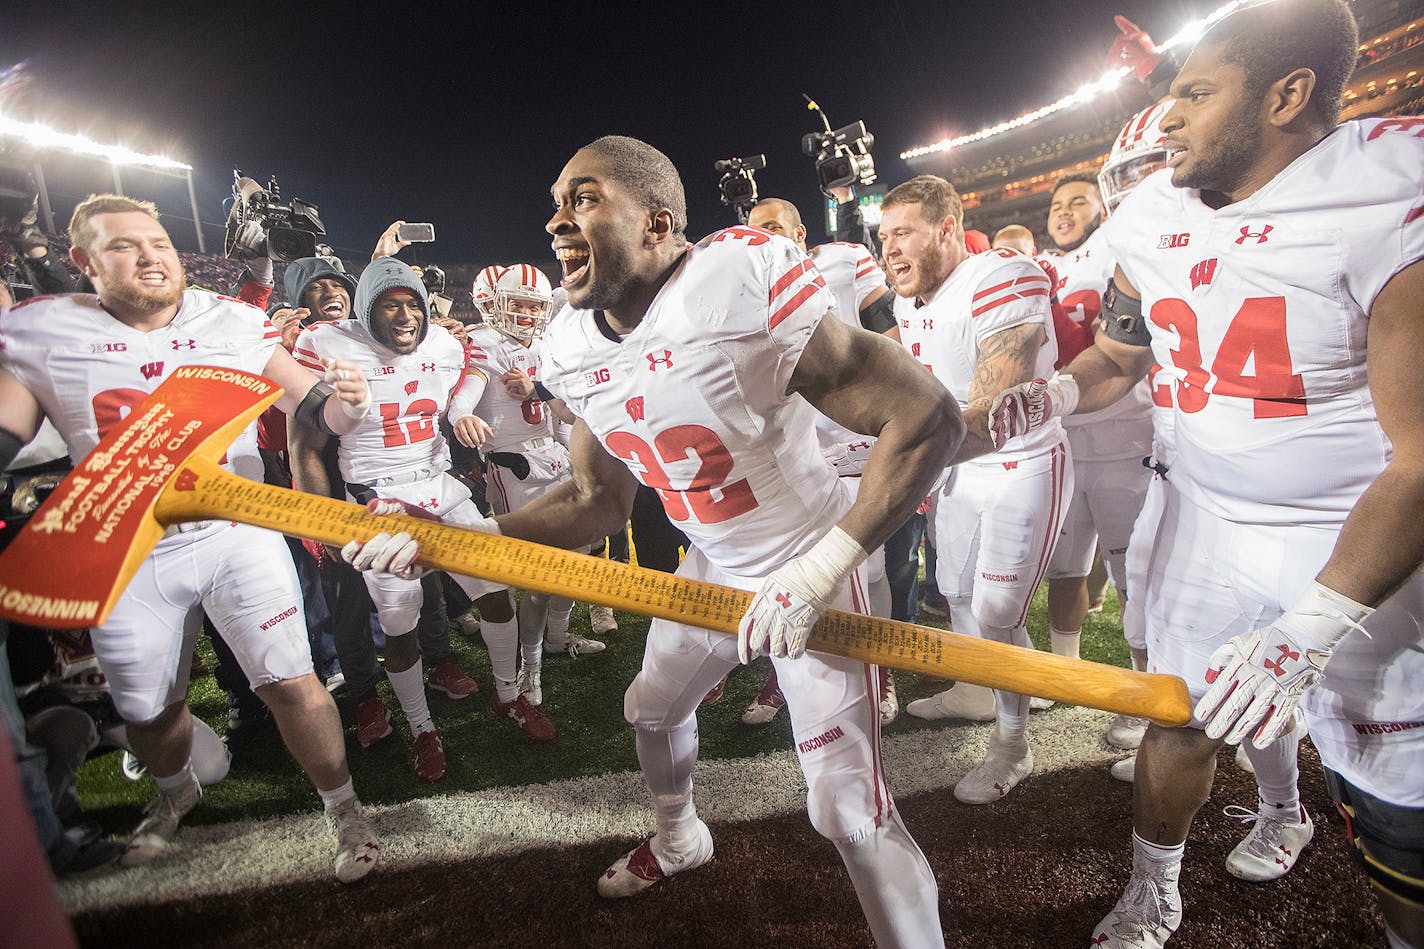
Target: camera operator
850, 223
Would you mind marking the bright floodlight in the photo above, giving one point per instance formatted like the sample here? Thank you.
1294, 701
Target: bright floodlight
1106, 83
41, 136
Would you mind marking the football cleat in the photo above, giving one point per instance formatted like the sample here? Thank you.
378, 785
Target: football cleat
133, 768
1146, 914
530, 720
1038, 705
529, 684
766, 706
1271, 848
160, 823
602, 620
1125, 770
640, 868
358, 849
468, 623
1006, 764
575, 645
449, 678
962, 700
373, 721
430, 764
1126, 732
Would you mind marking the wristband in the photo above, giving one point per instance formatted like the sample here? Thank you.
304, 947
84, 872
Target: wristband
1064, 391
1322, 617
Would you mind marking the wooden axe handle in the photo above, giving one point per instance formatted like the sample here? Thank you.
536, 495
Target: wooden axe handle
200, 490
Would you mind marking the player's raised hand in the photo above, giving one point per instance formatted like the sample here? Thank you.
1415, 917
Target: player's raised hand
1028, 406
517, 384
793, 597
1133, 48
388, 245
1258, 678
349, 383
472, 431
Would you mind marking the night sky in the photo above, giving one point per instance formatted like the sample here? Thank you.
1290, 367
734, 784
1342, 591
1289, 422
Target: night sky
464, 119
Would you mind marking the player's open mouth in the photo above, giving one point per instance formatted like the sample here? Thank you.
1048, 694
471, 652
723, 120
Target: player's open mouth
574, 261
404, 334
335, 308
899, 271
1175, 153
153, 278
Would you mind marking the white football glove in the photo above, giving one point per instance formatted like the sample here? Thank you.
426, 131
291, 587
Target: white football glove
395, 554
1027, 406
1257, 679
794, 596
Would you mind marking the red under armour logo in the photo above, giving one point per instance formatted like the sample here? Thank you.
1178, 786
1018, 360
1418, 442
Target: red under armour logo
1001, 789
187, 480
928, 324
1260, 236
430, 505
654, 360
784, 600
1277, 665
427, 367
1098, 940
183, 344
411, 386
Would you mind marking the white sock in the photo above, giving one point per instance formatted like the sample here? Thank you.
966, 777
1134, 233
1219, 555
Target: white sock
533, 616
502, 641
561, 608
338, 795
1156, 859
667, 759
1139, 659
409, 687
1278, 775
178, 781
1065, 643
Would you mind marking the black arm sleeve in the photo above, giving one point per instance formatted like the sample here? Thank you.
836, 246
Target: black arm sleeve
541, 393
1122, 317
311, 410
880, 315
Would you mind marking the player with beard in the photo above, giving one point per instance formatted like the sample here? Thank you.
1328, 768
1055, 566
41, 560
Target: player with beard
84, 361
1276, 268
696, 370
980, 323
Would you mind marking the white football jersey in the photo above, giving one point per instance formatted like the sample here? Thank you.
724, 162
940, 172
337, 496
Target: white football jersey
1123, 429
984, 295
694, 399
851, 275
514, 424
408, 394
1260, 310
88, 370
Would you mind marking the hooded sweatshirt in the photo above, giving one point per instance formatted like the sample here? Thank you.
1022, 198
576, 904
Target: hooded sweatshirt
304, 271
387, 273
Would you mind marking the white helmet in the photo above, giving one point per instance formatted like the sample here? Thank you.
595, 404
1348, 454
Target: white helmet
483, 289
1137, 152
523, 299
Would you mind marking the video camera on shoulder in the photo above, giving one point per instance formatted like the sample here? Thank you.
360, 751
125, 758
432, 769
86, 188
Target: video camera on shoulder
738, 185
259, 224
842, 155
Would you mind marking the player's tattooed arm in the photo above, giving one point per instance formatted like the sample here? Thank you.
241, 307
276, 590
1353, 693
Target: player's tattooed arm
592, 504
1382, 541
1005, 359
20, 417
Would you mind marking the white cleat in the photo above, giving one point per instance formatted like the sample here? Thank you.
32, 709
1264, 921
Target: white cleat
1146, 915
161, 818
602, 620
1125, 770
358, 849
1007, 763
641, 868
1126, 732
576, 645
1038, 705
972, 703
1243, 760
1271, 848
529, 684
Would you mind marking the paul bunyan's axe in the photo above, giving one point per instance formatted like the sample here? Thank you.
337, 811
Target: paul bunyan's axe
158, 467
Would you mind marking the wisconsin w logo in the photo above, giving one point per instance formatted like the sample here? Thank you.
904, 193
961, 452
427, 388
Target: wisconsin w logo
1202, 272
151, 370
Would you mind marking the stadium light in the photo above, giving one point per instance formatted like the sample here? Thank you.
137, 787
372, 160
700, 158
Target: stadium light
1105, 83
43, 137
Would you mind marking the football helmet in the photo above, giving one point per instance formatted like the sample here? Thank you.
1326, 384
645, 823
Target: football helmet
483, 289
523, 302
1138, 151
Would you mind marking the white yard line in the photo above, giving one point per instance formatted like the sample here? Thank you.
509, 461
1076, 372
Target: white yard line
244, 855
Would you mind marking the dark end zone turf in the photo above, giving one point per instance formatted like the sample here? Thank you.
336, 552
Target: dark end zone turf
1037, 869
